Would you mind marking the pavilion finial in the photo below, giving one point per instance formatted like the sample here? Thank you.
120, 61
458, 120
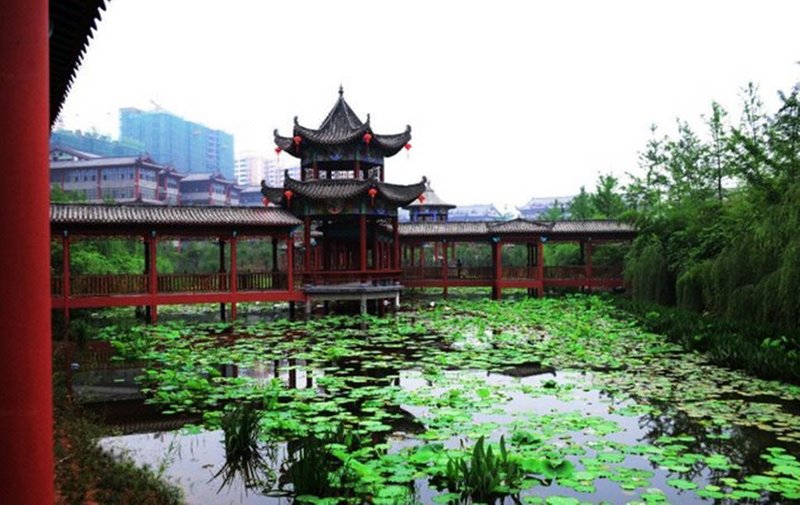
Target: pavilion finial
341, 90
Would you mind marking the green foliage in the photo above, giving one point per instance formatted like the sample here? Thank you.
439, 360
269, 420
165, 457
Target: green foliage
485, 476
241, 426
720, 216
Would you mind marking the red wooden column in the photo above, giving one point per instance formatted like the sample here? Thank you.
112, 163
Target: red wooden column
589, 273
497, 267
307, 244
540, 264
396, 264
444, 269
234, 275
362, 236
66, 285
26, 415
289, 262
152, 272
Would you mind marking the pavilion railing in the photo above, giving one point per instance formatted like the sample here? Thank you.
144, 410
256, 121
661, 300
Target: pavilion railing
453, 272
327, 277
193, 283
607, 271
118, 284
565, 272
56, 285
260, 281
579, 272
519, 272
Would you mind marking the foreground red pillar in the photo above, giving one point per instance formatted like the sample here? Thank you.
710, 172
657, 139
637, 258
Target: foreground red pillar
26, 412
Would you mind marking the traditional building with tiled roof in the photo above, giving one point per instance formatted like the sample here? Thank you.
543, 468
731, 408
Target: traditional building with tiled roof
342, 144
343, 199
429, 207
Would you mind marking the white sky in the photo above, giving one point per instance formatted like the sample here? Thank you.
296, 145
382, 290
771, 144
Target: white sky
507, 100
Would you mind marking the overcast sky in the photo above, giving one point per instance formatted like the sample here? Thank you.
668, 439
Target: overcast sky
507, 100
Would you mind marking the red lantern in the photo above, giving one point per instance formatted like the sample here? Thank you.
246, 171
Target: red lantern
421, 198
288, 194
367, 138
407, 146
265, 201
278, 152
372, 192
297, 139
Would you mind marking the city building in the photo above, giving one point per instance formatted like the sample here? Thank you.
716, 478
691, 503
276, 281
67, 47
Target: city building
208, 189
250, 196
123, 179
171, 140
98, 145
538, 206
250, 169
429, 207
484, 212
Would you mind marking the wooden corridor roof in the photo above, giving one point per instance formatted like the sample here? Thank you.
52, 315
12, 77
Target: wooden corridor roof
103, 215
567, 230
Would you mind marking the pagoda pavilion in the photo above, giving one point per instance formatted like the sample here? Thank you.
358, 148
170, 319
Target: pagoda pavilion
350, 241
429, 207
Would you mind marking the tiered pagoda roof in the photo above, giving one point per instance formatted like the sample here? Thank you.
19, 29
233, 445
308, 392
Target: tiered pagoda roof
341, 126
344, 189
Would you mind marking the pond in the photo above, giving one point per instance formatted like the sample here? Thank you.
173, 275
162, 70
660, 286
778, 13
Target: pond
533, 401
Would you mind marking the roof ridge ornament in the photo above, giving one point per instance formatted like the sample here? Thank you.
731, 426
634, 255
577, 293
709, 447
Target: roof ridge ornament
341, 90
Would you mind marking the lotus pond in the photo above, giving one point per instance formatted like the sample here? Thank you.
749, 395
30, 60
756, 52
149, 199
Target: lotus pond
557, 401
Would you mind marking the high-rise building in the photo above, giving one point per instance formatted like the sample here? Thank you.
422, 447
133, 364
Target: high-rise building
99, 145
172, 140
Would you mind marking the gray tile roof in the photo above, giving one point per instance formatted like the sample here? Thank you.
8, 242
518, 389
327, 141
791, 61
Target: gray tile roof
343, 189
341, 126
515, 226
104, 162
169, 215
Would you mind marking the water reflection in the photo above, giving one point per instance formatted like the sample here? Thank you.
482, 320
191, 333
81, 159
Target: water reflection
522, 397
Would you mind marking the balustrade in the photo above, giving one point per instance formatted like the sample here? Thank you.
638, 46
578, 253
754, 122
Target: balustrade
99, 285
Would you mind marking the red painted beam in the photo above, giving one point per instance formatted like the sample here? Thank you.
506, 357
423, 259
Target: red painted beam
26, 412
82, 302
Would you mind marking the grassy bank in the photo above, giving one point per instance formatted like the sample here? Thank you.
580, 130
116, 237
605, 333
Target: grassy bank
759, 350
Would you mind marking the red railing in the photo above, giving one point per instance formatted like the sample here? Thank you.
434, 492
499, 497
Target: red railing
260, 281
193, 283
469, 273
519, 272
345, 276
565, 272
56, 285
607, 271
119, 284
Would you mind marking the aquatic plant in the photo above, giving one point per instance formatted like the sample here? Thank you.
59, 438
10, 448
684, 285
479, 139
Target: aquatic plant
243, 451
485, 476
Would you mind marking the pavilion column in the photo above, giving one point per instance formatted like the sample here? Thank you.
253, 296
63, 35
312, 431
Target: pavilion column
362, 235
421, 259
275, 276
289, 262
222, 269
307, 244
445, 269
497, 268
26, 416
356, 170
589, 273
376, 253
234, 283
395, 243
152, 277
540, 264
65, 276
